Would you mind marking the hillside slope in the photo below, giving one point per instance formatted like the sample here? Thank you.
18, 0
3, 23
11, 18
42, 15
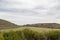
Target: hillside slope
44, 25
6, 24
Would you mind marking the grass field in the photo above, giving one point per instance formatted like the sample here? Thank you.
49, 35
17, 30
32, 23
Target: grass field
38, 29
30, 33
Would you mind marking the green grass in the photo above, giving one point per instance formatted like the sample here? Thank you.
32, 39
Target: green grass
31, 28
30, 33
37, 29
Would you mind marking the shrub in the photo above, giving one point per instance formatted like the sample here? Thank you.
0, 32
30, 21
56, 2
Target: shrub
32, 35
39, 36
20, 35
12, 35
29, 34
1, 36
54, 35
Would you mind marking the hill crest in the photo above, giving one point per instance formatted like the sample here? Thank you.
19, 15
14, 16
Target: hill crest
6, 24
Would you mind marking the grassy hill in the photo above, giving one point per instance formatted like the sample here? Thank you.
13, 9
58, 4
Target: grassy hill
5, 24
45, 25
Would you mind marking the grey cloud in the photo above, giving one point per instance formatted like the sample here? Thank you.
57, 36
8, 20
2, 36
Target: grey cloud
37, 11
8, 3
58, 17
40, 8
26, 11
55, 10
23, 11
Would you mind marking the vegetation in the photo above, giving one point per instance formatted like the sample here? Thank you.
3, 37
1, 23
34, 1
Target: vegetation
7, 25
30, 33
40, 31
44, 25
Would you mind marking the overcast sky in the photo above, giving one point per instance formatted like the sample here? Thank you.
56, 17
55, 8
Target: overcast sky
30, 11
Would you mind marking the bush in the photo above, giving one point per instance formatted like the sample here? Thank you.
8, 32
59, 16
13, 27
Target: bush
20, 35
12, 35
54, 35
32, 35
1, 36
39, 36
29, 34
